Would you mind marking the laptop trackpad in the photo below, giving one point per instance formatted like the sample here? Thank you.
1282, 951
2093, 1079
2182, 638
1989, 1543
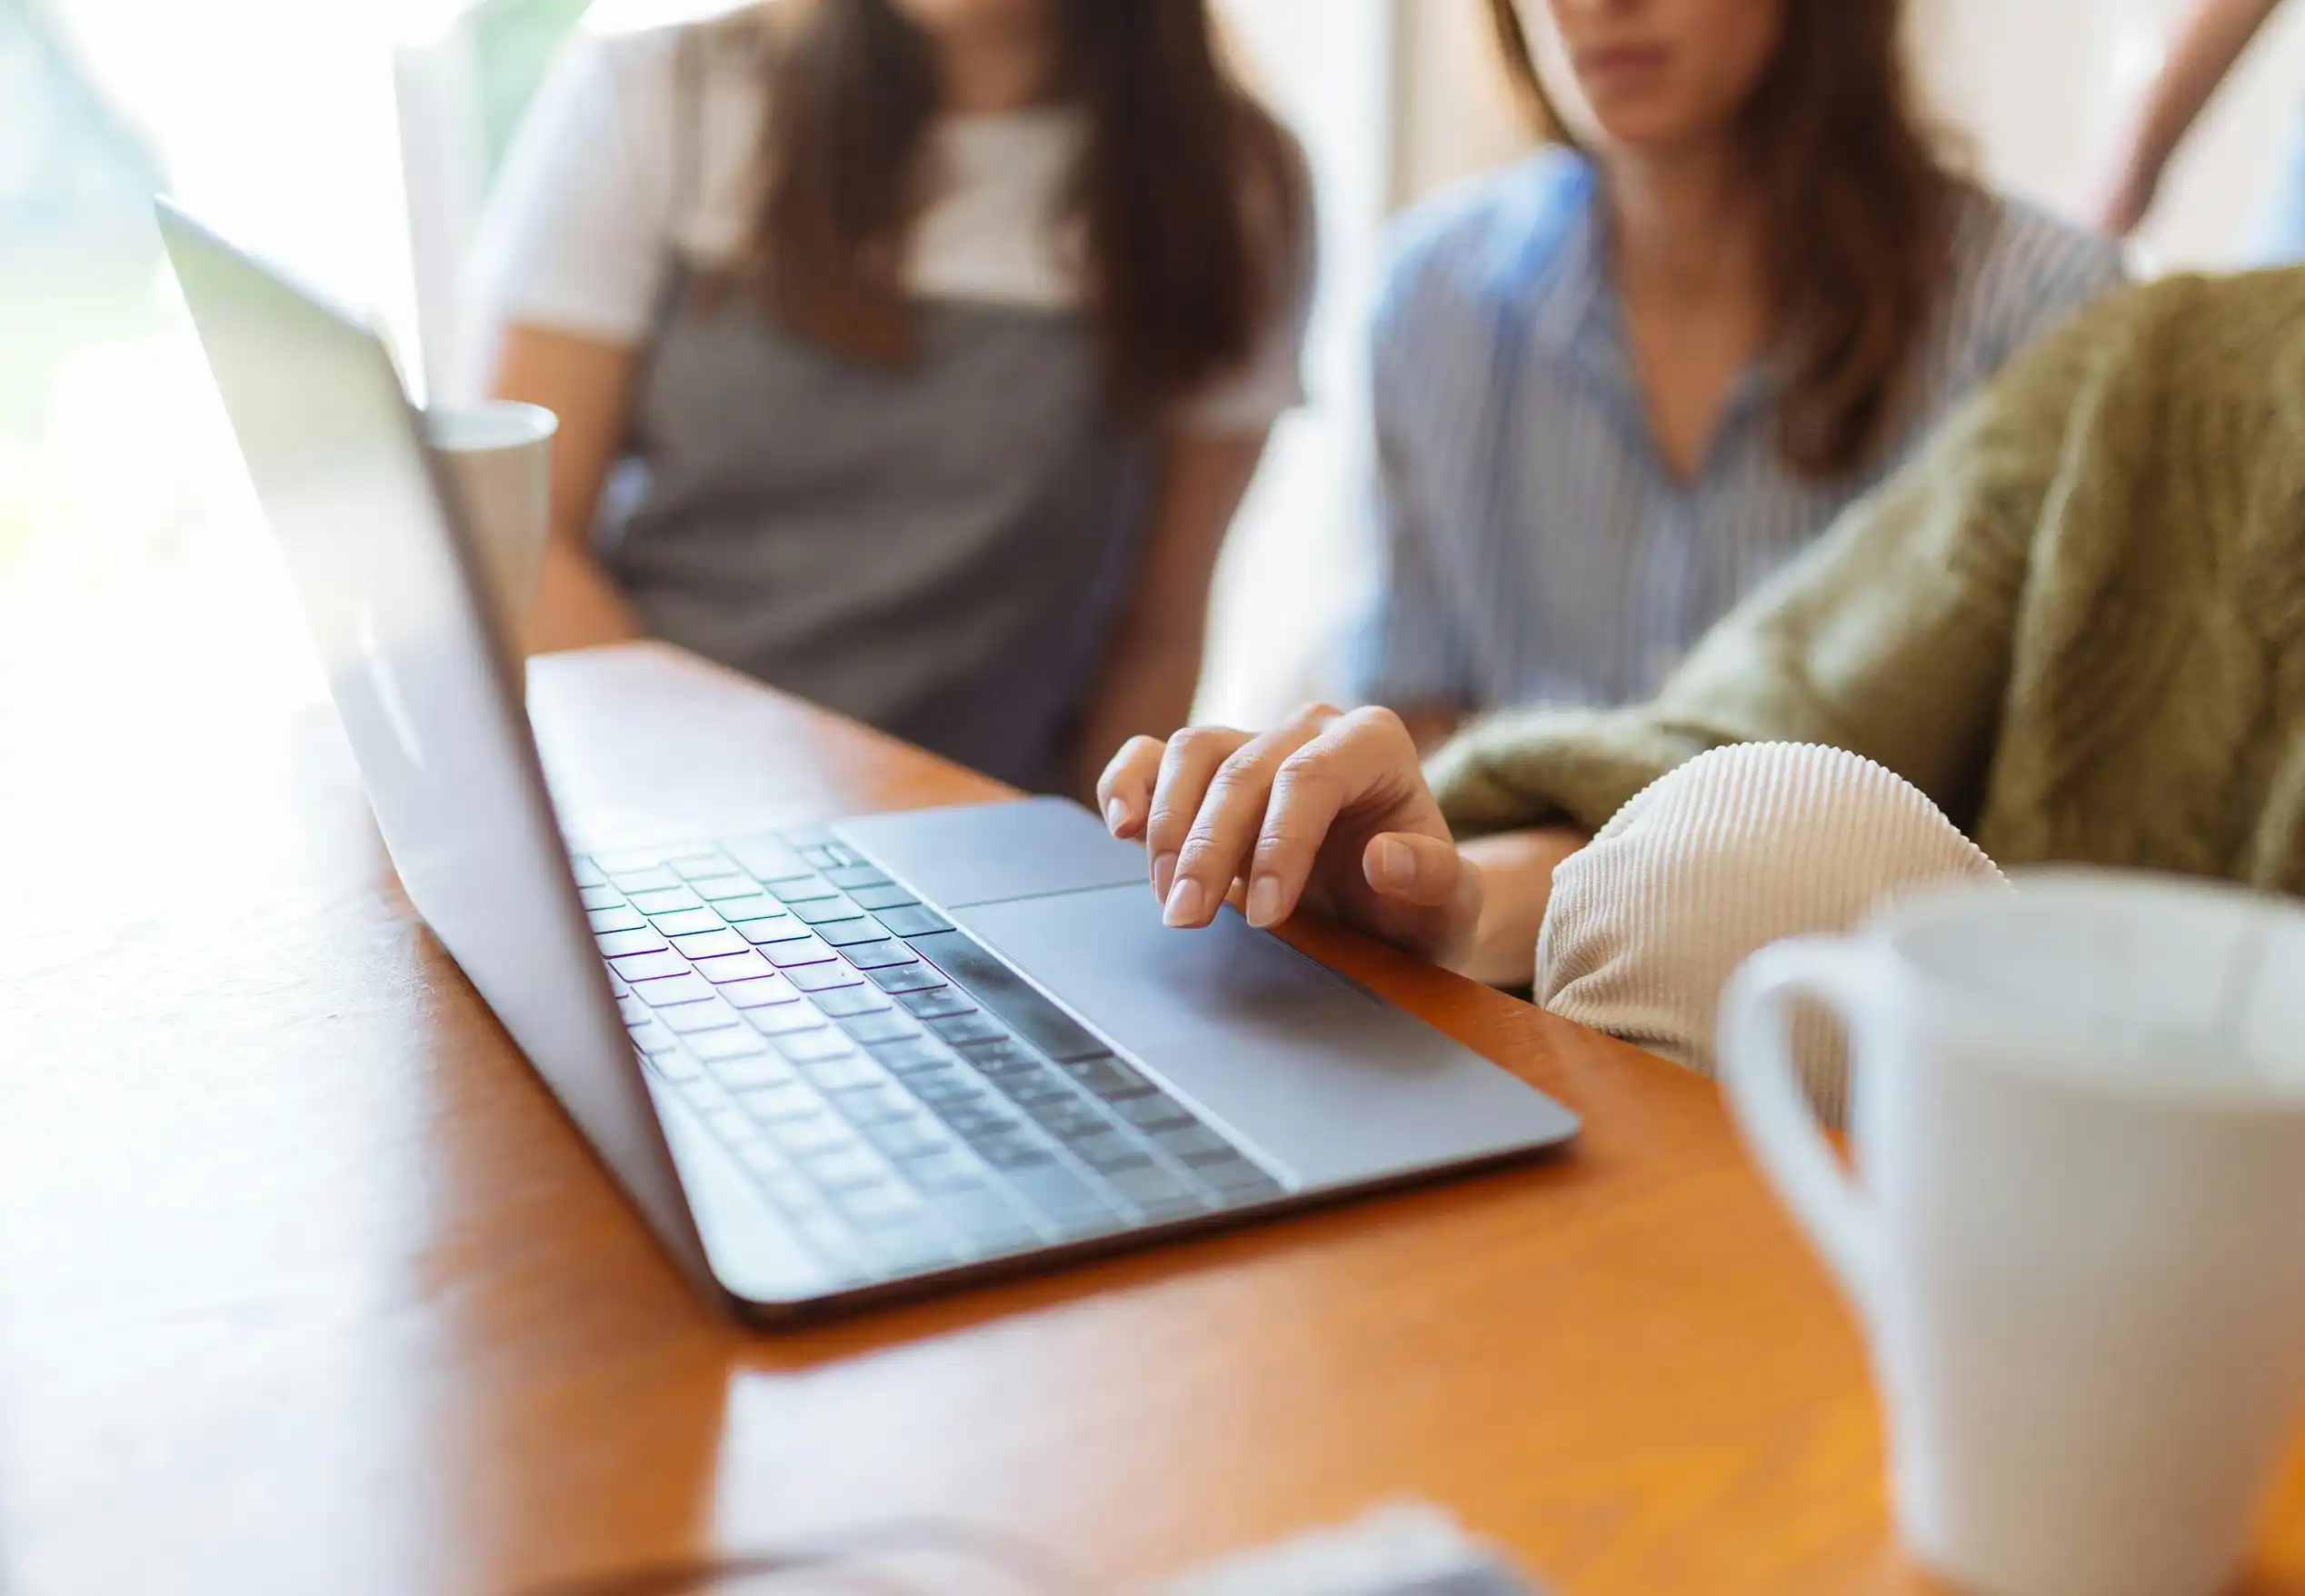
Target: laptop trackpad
1326, 1080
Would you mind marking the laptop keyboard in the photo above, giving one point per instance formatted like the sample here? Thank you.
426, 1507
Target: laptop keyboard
906, 1101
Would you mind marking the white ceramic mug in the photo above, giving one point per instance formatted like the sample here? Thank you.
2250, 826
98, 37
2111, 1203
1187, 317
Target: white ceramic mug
499, 460
2077, 1230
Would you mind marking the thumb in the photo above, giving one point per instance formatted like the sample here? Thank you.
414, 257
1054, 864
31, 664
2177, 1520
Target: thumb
1412, 869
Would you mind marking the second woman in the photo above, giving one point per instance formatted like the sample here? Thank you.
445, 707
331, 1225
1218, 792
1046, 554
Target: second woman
910, 355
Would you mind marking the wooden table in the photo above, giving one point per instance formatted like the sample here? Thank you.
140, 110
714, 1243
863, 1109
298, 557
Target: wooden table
308, 1287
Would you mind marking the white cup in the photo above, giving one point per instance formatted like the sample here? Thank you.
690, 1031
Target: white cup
499, 460
2077, 1232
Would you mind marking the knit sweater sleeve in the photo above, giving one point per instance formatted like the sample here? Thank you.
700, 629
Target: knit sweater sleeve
1891, 637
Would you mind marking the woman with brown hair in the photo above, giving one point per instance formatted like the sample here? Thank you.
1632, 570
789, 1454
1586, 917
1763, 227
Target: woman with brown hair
910, 355
1620, 383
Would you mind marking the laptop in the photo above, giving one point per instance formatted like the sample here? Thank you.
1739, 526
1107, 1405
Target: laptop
828, 1067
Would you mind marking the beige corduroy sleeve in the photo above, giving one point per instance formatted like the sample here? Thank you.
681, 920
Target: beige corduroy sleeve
1730, 852
1891, 637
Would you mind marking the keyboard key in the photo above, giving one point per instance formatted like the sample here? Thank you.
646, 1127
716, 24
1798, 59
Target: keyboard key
877, 898
1107, 1077
883, 1026
962, 1028
714, 888
1005, 992
783, 930
844, 1169
652, 1038
907, 1057
758, 906
1154, 1189
936, 1003
705, 861
623, 917
974, 1120
869, 1107
913, 921
696, 1018
804, 950
813, 1136
666, 902
948, 1088
735, 1043
711, 944
882, 953
878, 1207
806, 889
685, 988
840, 1003
676, 1067
683, 923
784, 1186
620, 944
823, 977
778, 1099
901, 1141
1059, 1196
821, 852
1194, 1144
941, 1170
785, 1018
1010, 1150
749, 1074
1045, 1090
1152, 1111
1069, 1121
809, 1047
986, 1217
630, 859
633, 882
819, 911
1238, 1179
769, 859
1005, 1061
1108, 1150
600, 897
587, 872
849, 933
838, 1071
768, 991
648, 966
731, 1124
910, 975
747, 965
848, 877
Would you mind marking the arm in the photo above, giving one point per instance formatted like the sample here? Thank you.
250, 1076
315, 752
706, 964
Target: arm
2208, 46
584, 382
1153, 668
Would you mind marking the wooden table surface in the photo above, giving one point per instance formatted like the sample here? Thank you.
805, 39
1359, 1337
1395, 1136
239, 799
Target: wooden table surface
308, 1287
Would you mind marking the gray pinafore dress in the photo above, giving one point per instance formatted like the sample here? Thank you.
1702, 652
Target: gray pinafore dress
938, 549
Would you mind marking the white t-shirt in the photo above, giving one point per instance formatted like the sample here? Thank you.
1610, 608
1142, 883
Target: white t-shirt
581, 233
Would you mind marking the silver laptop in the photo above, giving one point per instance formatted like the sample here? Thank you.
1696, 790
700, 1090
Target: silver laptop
900, 1051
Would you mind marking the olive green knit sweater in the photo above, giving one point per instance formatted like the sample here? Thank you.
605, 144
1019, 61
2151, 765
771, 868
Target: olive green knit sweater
2076, 621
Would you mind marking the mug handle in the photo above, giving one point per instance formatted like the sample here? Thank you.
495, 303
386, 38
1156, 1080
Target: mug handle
1765, 1094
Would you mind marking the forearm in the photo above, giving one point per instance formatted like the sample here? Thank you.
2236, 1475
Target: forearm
2204, 52
1516, 880
578, 606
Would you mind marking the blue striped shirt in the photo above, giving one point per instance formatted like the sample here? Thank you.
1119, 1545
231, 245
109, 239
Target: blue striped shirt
1537, 548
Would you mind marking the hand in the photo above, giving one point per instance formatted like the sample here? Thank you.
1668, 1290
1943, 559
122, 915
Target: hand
1328, 810
2123, 198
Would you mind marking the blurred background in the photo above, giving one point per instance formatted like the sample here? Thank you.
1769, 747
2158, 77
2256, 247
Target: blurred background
355, 140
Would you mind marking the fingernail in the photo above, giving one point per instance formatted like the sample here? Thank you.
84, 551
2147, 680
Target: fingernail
1265, 901
1396, 866
1163, 875
1114, 813
1186, 903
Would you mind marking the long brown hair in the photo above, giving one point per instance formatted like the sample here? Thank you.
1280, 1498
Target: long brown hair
1185, 198
1860, 204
